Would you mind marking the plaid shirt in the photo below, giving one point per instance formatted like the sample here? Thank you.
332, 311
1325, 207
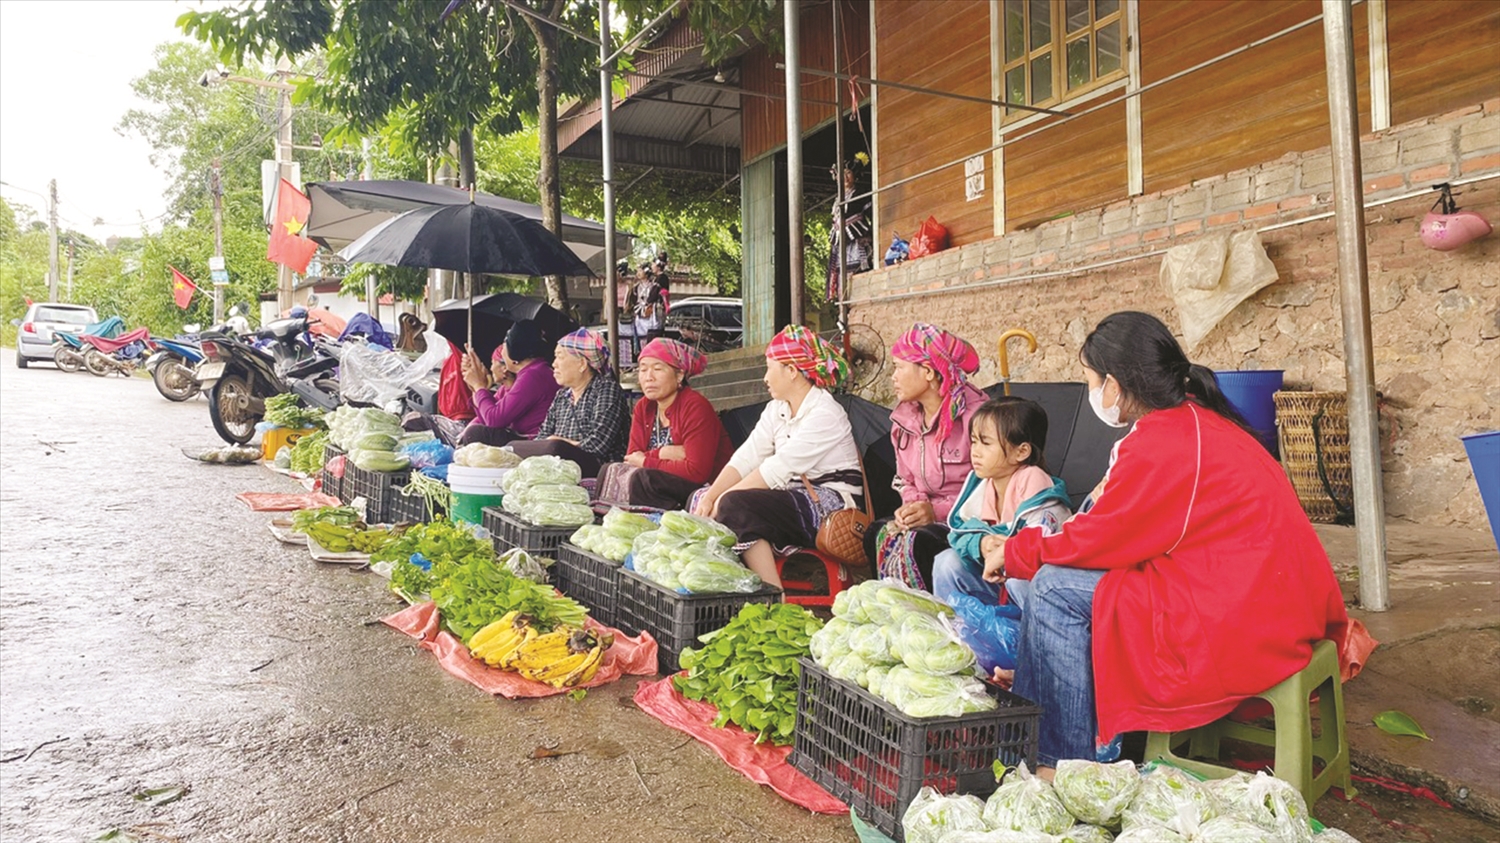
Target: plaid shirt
599, 421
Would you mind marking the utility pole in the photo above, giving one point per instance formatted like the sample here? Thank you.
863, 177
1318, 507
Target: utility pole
792, 21
607, 164
372, 295
52, 240
216, 188
284, 288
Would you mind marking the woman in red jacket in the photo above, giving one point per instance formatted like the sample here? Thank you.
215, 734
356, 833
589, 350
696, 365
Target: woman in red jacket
1195, 579
677, 443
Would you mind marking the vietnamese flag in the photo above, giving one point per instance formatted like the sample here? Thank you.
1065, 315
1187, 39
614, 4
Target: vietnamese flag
182, 288
287, 245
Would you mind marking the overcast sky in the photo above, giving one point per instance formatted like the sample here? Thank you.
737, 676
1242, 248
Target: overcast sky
65, 71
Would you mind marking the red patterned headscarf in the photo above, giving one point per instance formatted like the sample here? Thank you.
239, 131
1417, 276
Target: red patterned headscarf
680, 356
814, 358
951, 357
589, 346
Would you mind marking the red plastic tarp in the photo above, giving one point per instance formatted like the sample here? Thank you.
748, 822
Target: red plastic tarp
761, 763
283, 502
636, 656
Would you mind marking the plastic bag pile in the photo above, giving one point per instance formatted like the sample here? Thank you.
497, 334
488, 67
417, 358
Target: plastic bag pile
544, 491
613, 539
692, 555
899, 644
370, 437
1089, 802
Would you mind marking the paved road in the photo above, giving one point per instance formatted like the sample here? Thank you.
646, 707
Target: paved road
154, 630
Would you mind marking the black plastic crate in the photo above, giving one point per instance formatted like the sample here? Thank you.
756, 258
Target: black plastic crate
590, 579
875, 759
676, 620
508, 531
331, 485
378, 488
409, 509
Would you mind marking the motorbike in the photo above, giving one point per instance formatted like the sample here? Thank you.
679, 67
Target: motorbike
239, 377
67, 346
121, 355
172, 367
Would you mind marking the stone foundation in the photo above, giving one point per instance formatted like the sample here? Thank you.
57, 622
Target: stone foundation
1435, 315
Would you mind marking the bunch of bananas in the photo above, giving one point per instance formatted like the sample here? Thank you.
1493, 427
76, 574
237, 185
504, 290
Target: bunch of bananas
336, 538
369, 541
562, 658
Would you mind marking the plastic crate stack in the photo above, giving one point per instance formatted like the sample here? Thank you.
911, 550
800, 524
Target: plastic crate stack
875, 759
410, 509
378, 488
674, 619
508, 531
331, 484
590, 579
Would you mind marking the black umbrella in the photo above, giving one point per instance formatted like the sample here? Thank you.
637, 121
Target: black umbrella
492, 317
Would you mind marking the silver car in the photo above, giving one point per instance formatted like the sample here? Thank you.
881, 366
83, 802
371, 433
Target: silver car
34, 339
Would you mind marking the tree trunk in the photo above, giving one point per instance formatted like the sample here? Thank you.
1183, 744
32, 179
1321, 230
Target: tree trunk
547, 178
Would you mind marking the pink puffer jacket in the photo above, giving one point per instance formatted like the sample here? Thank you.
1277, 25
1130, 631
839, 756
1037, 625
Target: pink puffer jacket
927, 470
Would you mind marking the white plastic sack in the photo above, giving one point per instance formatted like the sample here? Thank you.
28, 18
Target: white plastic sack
374, 375
1210, 276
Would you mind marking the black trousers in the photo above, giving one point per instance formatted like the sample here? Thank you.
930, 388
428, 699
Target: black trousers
660, 489
496, 436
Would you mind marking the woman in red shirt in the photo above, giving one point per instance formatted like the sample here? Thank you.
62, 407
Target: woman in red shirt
1191, 582
677, 442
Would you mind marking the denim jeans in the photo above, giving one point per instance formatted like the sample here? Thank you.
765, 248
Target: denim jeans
1055, 666
951, 575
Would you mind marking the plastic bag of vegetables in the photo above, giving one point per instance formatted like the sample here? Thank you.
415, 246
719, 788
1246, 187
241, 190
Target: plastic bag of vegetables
626, 525
831, 641
872, 643
697, 528
931, 815
851, 602
479, 455
923, 695
1171, 799
548, 471
1085, 834
850, 668
1024, 802
997, 836
1267, 801
587, 537
613, 548
1096, 793
558, 494
712, 576
929, 645
521, 563
548, 514
1150, 834
1236, 830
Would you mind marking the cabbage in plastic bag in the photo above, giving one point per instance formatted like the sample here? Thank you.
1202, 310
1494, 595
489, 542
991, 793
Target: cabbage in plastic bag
548, 470
1268, 802
871, 643
970, 700
1096, 793
1170, 798
1085, 834
903, 600
546, 493
932, 815
587, 537
830, 641
548, 514
850, 668
1150, 834
479, 455
686, 554
1235, 830
875, 679
927, 645
627, 525
612, 548
705, 576
522, 564
696, 527
924, 695
1024, 802
851, 602
515, 503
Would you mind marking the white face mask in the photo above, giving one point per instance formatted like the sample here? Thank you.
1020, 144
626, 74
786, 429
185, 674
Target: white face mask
1108, 415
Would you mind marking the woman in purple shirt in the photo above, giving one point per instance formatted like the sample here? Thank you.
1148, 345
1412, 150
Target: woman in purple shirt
521, 374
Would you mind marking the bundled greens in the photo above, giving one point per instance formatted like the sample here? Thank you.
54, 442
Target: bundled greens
1024, 802
931, 816
1096, 793
749, 670
342, 516
286, 410
307, 453
479, 591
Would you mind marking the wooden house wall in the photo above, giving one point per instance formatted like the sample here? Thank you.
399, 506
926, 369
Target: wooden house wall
1069, 168
943, 45
1442, 56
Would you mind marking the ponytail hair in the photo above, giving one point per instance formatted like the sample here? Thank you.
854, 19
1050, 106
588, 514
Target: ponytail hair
1151, 368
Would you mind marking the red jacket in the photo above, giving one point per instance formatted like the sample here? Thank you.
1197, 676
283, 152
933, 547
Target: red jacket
695, 426
1217, 585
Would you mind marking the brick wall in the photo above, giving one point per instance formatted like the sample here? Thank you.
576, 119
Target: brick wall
1436, 316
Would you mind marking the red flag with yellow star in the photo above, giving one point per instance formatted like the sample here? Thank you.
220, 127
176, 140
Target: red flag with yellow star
182, 288
288, 246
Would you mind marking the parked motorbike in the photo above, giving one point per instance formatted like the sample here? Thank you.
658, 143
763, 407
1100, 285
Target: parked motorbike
239, 377
172, 367
67, 346
120, 355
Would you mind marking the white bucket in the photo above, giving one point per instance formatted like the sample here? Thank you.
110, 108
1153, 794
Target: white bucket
476, 481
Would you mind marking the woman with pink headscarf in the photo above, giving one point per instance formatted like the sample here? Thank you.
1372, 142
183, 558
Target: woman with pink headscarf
930, 431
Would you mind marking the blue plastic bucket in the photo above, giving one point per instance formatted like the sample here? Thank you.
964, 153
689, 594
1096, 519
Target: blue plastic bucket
1484, 458
1251, 393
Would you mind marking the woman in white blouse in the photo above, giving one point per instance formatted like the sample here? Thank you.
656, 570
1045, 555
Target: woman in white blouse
799, 465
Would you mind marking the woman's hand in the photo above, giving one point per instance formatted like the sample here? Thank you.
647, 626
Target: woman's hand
1004, 678
636, 458
671, 452
707, 505
990, 543
994, 562
915, 514
474, 373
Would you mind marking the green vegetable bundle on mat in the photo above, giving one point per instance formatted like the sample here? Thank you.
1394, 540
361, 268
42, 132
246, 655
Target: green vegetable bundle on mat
342, 516
286, 410
307, 453
749, 671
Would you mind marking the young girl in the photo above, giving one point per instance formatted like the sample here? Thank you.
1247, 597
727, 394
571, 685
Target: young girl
1008, 489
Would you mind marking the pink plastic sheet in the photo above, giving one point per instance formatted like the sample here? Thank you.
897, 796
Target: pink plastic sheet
282, 502
761, 763
636, 656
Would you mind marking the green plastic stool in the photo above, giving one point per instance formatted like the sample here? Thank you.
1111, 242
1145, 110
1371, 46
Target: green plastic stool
1292, 736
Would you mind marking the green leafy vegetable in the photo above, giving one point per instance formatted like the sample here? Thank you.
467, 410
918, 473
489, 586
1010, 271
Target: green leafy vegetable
286, 410
307, 453
1399, 723
749, 670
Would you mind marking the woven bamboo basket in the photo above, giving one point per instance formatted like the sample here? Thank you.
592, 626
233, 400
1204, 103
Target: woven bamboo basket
1309, 425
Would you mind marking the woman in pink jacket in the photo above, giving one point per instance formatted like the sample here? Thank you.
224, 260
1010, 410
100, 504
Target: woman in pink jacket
930, 430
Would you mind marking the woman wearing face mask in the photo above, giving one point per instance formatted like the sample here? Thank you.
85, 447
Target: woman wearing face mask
587, 420
799, 465
677, 442
930, 432
1194, 581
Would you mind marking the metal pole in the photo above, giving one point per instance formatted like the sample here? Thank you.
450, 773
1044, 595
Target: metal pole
792, 22
284, 289
52, 240
838, 165
1354, 303
372, 294
607, 168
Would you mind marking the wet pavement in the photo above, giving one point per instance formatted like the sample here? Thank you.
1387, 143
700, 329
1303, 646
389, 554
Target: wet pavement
154, 635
